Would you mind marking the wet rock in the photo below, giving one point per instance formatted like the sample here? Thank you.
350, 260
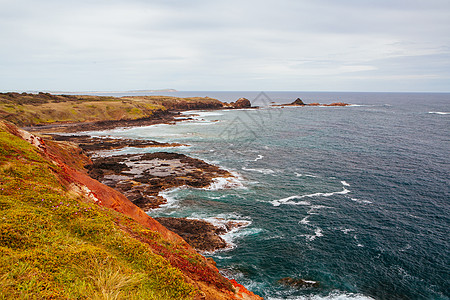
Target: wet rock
298, 283
337, 104
240, 103
142, 176
199, 234
91, 144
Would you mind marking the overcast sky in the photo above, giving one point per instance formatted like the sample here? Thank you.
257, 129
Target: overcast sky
297, 45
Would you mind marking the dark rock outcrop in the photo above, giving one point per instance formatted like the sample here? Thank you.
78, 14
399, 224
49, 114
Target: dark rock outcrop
199, 234
240, 103
141, 177
89, 144
298, 101
337, 104
298, 283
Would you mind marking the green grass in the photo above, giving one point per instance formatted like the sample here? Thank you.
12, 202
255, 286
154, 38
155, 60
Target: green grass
57, 245
33, 109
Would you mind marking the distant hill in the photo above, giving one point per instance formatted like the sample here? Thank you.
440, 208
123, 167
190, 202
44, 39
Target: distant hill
27, 109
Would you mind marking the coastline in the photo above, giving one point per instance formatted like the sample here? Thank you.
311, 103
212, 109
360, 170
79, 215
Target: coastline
62, 166
143, 178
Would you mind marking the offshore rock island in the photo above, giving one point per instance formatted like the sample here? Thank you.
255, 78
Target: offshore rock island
299, 102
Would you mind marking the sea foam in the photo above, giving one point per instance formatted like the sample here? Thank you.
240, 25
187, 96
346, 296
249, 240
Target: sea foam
439, 113
335, 295
259, 170
344, 183
222, 220
259, 157
220, 183
288, 199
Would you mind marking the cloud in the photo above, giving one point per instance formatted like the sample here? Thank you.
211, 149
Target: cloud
225, 45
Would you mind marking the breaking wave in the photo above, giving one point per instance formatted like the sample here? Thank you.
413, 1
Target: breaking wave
288, 199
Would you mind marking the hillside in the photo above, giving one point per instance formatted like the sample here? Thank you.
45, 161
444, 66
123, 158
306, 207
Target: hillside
44, 108
64, 235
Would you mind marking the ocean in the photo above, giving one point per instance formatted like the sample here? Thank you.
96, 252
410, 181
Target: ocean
355, 198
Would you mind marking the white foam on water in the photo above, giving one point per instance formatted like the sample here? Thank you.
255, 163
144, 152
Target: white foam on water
304, 221
220, 183
439, 113
357, 241
344, 183
287, 200
209, 114
222, 219
259, 157
361, 201
222, 257
239, 232
347, 230
197, 122
317, 233
407, 247
172, 202
259, 170
305, 175
335, 295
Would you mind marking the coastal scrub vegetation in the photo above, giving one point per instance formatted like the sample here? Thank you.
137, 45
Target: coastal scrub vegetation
43, 108
57, 244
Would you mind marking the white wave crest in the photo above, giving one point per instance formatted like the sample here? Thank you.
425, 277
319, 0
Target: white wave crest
344, 183
335, 295
305, 175
220, 183
171, 202
439, 113
222, 220
287, 200
259, 157
259, 170
304, 221
317, 233
361, 201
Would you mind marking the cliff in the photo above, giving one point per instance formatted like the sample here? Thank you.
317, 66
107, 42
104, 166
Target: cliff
65, 235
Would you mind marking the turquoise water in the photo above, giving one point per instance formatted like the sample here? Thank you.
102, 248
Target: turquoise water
356, 197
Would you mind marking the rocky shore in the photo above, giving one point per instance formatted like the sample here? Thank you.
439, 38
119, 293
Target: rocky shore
141, 177
84, 229
95, 144
201, 235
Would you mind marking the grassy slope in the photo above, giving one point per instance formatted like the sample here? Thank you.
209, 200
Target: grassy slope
56, 244
34, 109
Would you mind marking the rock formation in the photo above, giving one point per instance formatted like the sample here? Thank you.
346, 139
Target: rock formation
141, 177
298, 283
240, 103
298, 101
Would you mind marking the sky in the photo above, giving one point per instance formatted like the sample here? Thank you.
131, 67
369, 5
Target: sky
233, 45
